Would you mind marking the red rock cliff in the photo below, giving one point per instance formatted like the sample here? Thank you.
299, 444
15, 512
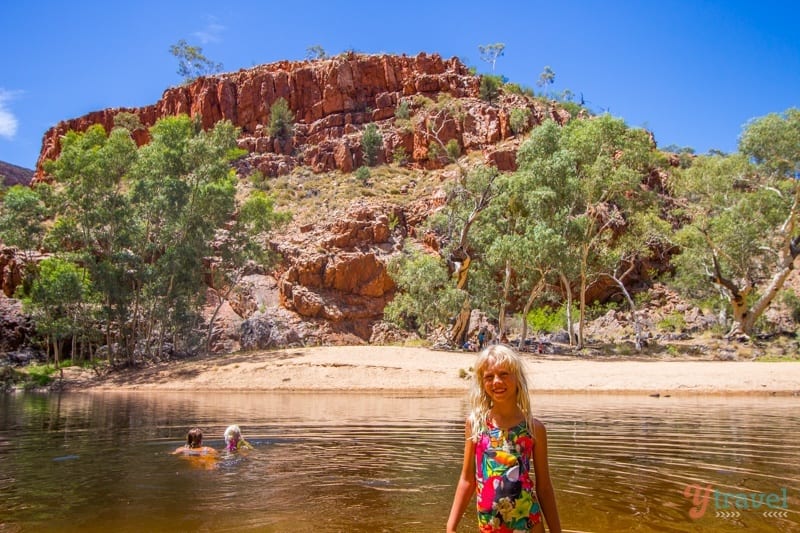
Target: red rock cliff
324, 95
331, 100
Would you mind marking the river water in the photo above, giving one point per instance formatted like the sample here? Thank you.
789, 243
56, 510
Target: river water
387, 463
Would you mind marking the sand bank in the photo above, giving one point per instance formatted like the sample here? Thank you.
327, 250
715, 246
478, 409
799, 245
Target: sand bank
391, 368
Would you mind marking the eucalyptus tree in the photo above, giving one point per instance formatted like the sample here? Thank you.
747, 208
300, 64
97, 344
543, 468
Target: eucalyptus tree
490, 52
611, 161
22, 216
426, 295
744, 212
60, 300
546, 78
646, 233
585, 182
191, 62
243, 246
183, 190
467, 198
551, 190
141, 222
93, 218
516, 245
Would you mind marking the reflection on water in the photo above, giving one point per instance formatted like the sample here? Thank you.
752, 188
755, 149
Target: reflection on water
367, 463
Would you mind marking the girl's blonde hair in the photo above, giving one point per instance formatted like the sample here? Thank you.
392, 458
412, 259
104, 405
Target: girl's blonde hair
480, 402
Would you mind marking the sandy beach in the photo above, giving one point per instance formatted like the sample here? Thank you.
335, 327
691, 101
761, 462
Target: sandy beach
392, 368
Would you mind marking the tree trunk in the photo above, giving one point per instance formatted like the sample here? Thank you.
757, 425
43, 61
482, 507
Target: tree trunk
568, 293
582, 308
637, 327
501, 317
460, 330
56, 351
744, 318
535, 291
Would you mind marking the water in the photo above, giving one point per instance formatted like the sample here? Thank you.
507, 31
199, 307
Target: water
382, 463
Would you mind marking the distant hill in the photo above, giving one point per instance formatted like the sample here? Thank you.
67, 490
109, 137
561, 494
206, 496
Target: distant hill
14, 175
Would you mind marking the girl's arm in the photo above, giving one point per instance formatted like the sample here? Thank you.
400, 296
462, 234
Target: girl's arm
466, 482
544, 485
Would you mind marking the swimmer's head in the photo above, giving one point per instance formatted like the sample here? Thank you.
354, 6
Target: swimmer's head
232, 437
194, 439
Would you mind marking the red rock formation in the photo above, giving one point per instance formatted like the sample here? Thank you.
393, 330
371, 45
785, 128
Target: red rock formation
331, 99
345, 279
11, 270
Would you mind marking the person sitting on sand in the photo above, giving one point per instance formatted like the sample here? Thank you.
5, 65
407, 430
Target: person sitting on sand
194, 445
234, 439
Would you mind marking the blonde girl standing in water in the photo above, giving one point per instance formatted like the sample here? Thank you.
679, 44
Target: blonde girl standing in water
505, 452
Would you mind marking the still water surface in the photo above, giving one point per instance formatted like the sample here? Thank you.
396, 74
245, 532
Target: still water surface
382, 463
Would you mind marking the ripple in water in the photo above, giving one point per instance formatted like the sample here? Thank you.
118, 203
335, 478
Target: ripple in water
367, 463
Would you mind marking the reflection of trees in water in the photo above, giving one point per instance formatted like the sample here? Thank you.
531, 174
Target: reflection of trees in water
369, 462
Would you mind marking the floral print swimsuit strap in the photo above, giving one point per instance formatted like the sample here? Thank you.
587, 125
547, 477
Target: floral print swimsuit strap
505, 486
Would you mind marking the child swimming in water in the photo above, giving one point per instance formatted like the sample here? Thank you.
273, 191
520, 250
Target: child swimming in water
194, 445
505, 452
234, 440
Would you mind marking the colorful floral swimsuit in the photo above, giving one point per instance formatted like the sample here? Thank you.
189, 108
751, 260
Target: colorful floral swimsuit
506, 494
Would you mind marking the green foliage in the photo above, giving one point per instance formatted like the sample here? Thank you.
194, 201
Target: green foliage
129, 121
259, 180
371, 144
281, 119
546, 78
453, 149
363, 174
140, 222
545, 319
426, 297
403, 110
489, 89
316, 52
58, 300
191, 62
520, 119
434, 151
399, 156
792, 302
773, 141
738, 215
22, 213
490, 52
516, 88
674, 322
40, 375
574, 109
393, 221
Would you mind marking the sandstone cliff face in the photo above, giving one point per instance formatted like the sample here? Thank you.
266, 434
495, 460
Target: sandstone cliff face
332, 100
11, 270
333, 284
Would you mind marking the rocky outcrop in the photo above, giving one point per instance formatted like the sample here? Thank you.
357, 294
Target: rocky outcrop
15, 327
12, 267
332, 100
337, 270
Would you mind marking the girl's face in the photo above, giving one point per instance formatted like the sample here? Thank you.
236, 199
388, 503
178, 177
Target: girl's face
499, 382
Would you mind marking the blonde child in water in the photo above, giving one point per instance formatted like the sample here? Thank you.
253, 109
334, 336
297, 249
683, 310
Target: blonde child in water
505, 452
234, 439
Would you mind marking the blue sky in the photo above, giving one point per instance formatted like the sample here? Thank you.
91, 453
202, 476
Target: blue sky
692, 72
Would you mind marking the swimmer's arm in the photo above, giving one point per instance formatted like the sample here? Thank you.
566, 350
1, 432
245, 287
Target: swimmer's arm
465, 488
544, 484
